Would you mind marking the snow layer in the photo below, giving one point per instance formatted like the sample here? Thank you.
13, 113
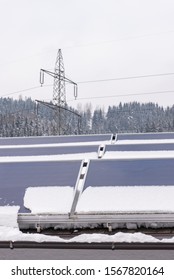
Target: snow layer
8, 216
101, 199
14, 234
145, 141
138, 154
49, 199
91, 155
79, 156
128, 199
90, 143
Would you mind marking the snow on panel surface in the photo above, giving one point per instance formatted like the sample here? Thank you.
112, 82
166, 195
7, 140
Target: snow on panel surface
92, 155
50, 158
128, 155
127, 199
54, 139
49, 199
8, 216
133, 172
145, 136
16, 177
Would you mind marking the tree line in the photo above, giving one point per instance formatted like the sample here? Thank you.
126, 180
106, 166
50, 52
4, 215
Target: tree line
24, 117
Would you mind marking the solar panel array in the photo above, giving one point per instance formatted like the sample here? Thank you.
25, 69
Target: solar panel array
16, 177
24, 163
141, 147
136, 172
43, 140
46, 151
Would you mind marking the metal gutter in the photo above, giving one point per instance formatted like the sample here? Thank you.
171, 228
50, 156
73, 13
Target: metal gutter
87, 246
59, 220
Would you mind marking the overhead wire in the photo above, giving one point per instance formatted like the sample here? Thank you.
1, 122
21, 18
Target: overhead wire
123, 95
104, 80
127, 78
19, 91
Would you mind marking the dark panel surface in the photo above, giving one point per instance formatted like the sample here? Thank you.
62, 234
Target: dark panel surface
145, 136
141, 147
53, 139
130, 172
47, 150
16, 177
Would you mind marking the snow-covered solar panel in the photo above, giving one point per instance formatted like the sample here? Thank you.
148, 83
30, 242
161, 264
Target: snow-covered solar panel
16, 177
135, 172
140, 147
54, 139
36, 151
145, 136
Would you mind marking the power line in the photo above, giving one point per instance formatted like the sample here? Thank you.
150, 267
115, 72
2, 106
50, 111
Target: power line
19, 91
123, 95
124, 78
103, 80
127, 78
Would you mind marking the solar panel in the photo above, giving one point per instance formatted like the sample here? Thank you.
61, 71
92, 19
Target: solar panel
140, 147
16, 177
135, 172
145, 136
54, 139
36, 151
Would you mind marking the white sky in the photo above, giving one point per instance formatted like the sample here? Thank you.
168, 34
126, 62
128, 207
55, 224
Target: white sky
100, 39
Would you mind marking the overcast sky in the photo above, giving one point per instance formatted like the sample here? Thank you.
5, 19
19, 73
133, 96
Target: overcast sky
100, 39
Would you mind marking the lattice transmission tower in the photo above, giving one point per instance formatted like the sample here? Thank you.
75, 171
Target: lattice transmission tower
59, 94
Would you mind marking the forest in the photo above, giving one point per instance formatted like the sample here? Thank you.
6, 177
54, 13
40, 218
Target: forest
25, 117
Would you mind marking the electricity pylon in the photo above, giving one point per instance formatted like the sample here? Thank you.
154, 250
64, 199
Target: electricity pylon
59, 94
